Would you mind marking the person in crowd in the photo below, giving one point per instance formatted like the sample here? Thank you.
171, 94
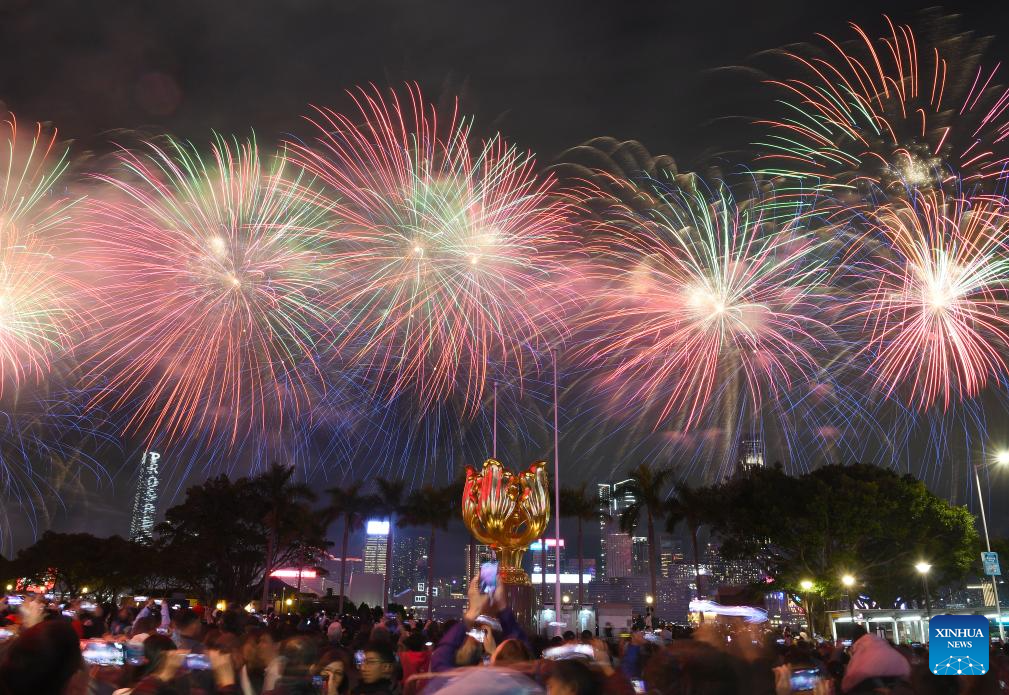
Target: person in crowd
414, 656
690, 667
458, 648
45, 659
153, 608
261, 662
298, 655
875, 664
156, 649
336, 670
378, 671
573, 677
511, 651
334, 632
187, 630
171, 677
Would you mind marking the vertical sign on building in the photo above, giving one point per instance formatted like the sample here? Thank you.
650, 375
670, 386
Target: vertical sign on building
145, 502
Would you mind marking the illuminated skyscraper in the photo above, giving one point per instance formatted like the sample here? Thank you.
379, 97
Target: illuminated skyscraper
146, 500
536, 553
639, 556
375, 556
409, 562
615, 557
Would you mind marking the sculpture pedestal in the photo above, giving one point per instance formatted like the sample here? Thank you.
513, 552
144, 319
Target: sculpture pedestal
522, 601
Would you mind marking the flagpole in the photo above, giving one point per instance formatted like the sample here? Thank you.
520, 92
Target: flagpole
557, 507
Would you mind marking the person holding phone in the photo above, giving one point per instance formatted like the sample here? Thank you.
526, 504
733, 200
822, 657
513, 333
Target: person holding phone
446, 655
335, 672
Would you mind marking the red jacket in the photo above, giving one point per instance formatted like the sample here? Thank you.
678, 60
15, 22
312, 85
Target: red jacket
414, 662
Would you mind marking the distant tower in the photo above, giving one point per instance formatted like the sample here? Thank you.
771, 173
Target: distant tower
145, 502
751, 455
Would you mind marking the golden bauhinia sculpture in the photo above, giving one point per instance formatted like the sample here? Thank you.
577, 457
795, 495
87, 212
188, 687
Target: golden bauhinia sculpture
507, 511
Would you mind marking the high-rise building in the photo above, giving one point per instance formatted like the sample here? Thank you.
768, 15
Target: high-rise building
670, 553
536, 553
639, 556
476, 555
146, 500
375, 560
616, 551
751, 454
619, 555
409, 562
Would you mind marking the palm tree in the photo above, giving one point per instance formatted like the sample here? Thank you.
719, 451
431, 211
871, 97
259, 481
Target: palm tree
577, 503
390, 495
283, 496
691, 506
432, 507
350, 505
646, 485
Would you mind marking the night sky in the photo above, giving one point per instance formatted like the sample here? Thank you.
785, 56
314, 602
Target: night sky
549, 74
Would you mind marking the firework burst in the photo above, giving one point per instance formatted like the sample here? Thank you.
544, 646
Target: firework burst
700, 296
928, 281
890, 113
212, 284
452, 254
36, 314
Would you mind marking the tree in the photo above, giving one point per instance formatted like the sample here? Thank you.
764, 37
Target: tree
214, 539
646, 485
73, 561
857, 519
390, 496
350, 505
432, 507
578, 504
286, 501
693, 507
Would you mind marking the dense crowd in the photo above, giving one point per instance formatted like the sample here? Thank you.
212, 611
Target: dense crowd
166, 648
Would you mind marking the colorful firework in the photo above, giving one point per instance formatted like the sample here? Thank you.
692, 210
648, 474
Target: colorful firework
452, 254
702, 295
928, 284
890, 113
36, 313
212, 285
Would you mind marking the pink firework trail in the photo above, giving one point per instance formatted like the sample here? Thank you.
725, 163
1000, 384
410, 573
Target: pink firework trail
701, 296
891, 111
451, 255
211, 305
930, 291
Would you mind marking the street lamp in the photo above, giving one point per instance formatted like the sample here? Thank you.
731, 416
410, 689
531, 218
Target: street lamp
1001, 458
565, 599
807, 587
649, 600
84, 590
923, 568
849, 582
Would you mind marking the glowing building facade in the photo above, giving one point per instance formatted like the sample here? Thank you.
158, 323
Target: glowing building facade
146, 500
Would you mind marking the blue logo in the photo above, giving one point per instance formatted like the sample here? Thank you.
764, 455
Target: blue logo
958, 645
